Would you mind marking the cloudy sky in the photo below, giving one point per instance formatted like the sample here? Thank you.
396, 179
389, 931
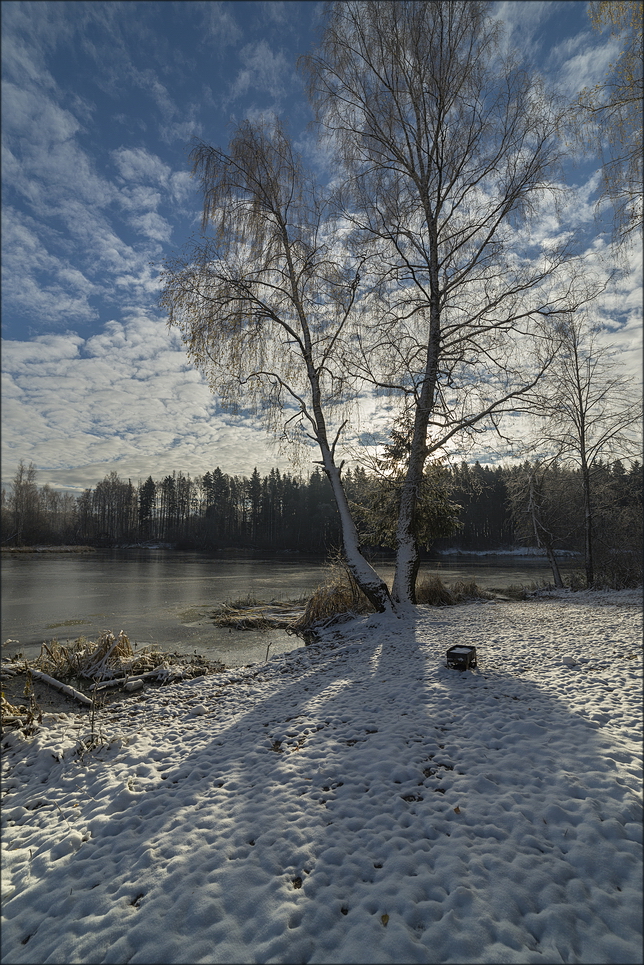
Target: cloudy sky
100, 103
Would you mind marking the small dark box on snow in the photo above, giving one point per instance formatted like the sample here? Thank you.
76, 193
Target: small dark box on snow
461, 657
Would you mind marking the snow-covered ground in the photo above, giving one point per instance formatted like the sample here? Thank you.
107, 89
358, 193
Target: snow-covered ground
515, 551
354, 801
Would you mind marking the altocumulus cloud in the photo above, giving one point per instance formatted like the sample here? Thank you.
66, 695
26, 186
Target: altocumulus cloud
125, 399
98, 191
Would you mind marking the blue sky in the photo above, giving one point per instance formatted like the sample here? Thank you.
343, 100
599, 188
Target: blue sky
100, 102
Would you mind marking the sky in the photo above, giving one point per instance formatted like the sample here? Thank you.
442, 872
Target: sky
101, 102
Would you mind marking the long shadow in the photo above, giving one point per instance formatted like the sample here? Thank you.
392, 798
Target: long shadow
291, 838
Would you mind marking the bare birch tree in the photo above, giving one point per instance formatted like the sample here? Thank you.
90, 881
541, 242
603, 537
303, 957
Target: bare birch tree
447, 153
543, 503
24, 503
587, 411
608, 116
264, 301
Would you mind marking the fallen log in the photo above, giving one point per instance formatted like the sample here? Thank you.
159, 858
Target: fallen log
63, 688
119, 681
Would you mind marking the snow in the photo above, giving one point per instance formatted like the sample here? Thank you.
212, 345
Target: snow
514, 551
351, 801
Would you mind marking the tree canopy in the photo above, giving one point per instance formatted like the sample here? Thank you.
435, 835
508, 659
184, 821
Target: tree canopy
448, 153
610, 114
421, 269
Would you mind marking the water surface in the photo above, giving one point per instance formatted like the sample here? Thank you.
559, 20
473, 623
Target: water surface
164, 597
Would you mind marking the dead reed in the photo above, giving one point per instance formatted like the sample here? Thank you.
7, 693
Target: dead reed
113, 658
338, 595
431, 591
251, 614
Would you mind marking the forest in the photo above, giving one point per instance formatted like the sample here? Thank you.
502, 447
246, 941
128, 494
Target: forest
471, 507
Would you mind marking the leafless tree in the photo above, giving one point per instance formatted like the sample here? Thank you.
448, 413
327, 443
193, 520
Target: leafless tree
448, 155
24, 502
587, 410
607, 118
264, 301
544, 507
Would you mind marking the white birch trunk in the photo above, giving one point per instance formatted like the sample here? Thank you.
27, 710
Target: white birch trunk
372, 585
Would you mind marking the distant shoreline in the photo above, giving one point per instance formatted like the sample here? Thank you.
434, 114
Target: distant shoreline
522, 552
48, 549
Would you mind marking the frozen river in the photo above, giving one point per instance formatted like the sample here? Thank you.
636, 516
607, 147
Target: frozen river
165, 597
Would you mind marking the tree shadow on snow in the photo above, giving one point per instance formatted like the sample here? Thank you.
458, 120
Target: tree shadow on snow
256, 817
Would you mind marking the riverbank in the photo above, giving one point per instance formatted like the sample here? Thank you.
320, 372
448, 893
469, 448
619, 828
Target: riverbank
355, 800
49, 700
14, 550
164, 598
88, 674
519, 552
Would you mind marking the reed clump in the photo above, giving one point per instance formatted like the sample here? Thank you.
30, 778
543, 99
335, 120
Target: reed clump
114, 658
24, 718
251, 614
340, 595
337, 596
431, 591
107, 657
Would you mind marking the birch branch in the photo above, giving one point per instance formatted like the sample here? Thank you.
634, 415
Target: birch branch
64, 688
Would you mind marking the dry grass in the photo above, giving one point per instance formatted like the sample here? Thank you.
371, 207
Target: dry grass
110, 662
470, 590
516, 591
111, 657
431, 591
250, 614
24, 718
338, 595
107, 657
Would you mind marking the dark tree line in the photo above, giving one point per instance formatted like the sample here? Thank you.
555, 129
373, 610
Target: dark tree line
213, 511
490, 508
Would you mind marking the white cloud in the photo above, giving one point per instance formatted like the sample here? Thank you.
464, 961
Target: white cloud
263, 70
34, 115
578, 68
181, 130
137, 164
522, 22
35, 281
53, 272
51, 164
140, 198
181, 186
574, 62
220, 24
277, 11
125, 399
152, 226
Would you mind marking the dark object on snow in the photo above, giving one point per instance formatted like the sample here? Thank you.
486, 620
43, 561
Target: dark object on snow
461, 658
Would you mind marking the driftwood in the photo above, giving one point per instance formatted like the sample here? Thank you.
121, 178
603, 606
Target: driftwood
120, 681
108, 683
64, 688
